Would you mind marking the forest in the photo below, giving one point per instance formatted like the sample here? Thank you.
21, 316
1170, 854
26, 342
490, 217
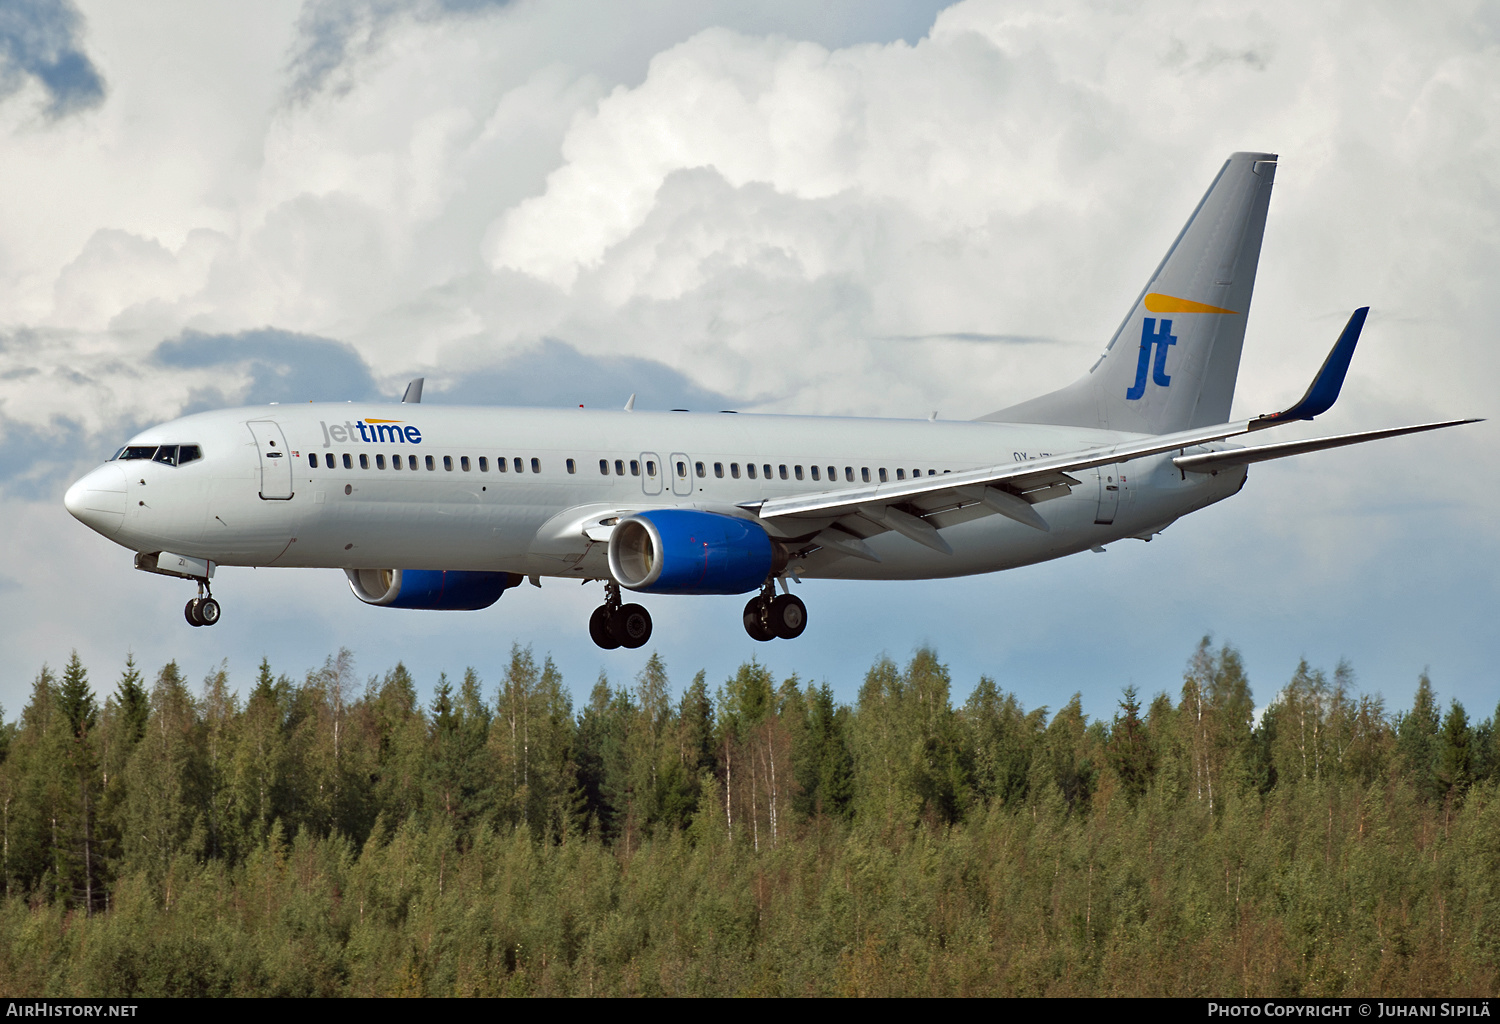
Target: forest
336, 835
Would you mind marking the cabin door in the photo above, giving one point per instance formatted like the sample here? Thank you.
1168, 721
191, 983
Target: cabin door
275, 460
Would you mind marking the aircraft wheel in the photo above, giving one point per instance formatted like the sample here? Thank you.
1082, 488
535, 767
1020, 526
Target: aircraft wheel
208, 611
755, 621
599, 628
787, 617
191, 613
631, 626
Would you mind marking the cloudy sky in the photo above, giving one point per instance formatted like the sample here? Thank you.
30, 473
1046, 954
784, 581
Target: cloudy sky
879, 207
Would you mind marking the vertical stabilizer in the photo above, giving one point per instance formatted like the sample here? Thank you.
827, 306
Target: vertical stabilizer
1173, 362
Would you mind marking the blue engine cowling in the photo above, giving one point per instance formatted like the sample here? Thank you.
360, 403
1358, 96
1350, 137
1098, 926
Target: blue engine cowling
685, 551
448, 590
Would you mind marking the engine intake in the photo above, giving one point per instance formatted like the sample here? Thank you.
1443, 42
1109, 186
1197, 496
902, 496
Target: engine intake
449, 590
685, 551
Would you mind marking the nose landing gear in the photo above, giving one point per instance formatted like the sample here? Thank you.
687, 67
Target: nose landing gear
768, 617
615, 625
202, 610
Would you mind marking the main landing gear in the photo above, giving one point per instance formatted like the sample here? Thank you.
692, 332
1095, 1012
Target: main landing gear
768, 617
202, 610
615, 625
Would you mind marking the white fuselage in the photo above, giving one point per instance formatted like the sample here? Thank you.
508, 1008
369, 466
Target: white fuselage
457, 510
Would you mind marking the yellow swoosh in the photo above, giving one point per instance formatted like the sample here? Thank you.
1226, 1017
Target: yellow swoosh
368, 420
1159, 303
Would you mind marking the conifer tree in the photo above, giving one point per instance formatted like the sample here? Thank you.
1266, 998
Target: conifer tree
1130, 753
1417, 745
1455, 771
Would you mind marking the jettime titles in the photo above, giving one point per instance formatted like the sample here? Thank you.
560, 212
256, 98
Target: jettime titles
370, 431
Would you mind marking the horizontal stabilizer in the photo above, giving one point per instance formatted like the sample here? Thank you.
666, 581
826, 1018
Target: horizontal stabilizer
1324, 390
1214, 461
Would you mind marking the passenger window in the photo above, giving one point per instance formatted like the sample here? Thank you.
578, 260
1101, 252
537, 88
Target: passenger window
635, 467
734, 470
448, 463
517, 462
619, 467
348, 462
849, 473
395, 462
650, 468
380, 462
463, 463
484, 464
166, 455
864, 473
882, 474
572, 466
364, 461
430, 465
312, 459
932, 472
833, 473
682, 471
411, 462
767, 468
783, 471
536, 465
815, 473
698, 466
501, 464
750, 470
900, 473
797, 472
719, 470
604, 467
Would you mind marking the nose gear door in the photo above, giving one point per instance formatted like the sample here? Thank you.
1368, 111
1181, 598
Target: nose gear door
275, 460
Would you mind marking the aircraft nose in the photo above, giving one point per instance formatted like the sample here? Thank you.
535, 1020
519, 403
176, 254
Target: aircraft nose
97, 500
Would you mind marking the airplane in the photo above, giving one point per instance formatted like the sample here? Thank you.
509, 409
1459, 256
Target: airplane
448, 507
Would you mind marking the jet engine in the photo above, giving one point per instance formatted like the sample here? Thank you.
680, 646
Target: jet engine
685, 551
431, 589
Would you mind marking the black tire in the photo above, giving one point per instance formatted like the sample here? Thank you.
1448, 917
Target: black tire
631, 626
787, 617
208, 611
599, 628
755, 621
191, 613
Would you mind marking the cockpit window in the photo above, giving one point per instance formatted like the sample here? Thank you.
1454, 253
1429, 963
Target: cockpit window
166, 454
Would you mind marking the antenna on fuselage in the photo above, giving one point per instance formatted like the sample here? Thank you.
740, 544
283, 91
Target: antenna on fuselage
413, 392
630, 403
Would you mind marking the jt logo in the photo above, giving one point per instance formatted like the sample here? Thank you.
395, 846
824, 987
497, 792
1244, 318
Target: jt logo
1161, 339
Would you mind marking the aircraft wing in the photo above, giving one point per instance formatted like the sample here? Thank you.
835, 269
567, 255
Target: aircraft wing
1213, 461
917, 508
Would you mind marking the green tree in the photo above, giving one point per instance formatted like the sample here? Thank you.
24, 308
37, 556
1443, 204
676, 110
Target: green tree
79, 862
1455, 772
1417, 744
1130, 753
1002, 739
164, 779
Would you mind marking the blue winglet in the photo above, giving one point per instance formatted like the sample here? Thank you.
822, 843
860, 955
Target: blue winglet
1324, 390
